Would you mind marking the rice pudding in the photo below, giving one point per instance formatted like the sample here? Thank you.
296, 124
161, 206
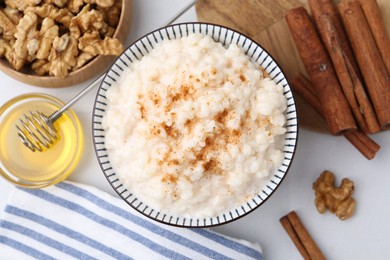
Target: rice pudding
194, 128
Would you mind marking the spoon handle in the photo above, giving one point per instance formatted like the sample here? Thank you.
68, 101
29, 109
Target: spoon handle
179, 14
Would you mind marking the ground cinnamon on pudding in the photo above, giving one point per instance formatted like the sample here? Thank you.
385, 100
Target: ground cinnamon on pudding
204, 131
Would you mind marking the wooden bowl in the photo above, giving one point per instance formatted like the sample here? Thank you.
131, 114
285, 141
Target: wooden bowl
92, 69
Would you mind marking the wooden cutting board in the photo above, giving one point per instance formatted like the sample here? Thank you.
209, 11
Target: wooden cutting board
263, 21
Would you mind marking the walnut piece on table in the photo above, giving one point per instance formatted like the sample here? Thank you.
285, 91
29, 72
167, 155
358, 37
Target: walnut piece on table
337, 200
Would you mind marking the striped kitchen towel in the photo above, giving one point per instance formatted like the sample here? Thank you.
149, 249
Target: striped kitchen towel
71, 220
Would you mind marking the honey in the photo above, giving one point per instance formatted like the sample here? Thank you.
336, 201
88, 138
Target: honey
31, 169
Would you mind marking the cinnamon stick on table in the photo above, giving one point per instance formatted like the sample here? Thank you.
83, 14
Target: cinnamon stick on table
363, 143
366, 119
317, 62
371, 65
300, 237
375, 21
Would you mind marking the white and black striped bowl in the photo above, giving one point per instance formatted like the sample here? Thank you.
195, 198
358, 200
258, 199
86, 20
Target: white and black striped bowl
141, 48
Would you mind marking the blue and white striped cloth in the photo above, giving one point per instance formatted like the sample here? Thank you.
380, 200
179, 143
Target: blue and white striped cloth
71, 220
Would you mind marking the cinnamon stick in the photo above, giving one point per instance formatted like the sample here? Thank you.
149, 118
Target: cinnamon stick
374, 72
303, 87
332, 41
327, 7
375, 21
317, 62
363, 100
300, 237
361, 141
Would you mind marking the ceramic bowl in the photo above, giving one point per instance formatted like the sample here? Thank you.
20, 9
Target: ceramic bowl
96, 66
225, 36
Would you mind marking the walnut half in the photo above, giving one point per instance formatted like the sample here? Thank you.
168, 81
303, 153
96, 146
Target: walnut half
7, 26
337, 200
61, 60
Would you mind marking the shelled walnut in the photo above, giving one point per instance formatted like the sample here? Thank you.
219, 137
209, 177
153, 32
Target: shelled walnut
21, 5
55, 37
7, 26
337, 200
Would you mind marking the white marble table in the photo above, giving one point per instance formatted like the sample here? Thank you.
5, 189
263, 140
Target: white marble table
364, 236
